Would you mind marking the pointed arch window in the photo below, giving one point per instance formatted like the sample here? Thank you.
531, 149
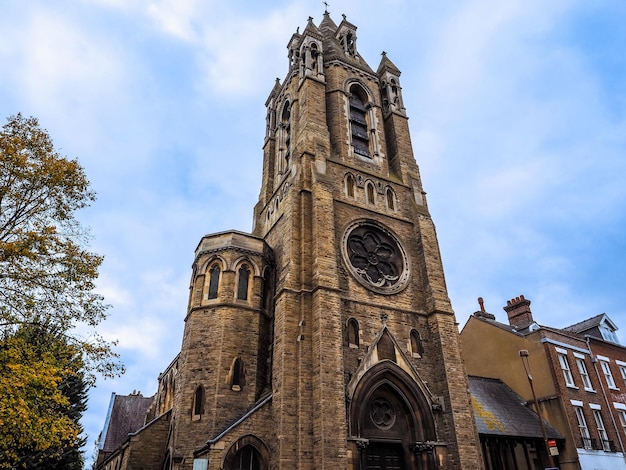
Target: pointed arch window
358, 121
390, 199
237, 375
353, 333
350, 185
285, 137
417, 348
242, 284
369, 192
198, 402
214, 281
315, 53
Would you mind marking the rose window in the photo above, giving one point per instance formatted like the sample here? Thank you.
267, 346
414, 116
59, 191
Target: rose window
382, 413
375, 257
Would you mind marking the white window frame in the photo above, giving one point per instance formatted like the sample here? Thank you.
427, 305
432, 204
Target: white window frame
582, 427
604, 437
606, 370
584, 374
567, 372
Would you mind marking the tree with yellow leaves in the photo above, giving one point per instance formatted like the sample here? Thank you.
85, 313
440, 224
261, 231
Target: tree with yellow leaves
47, 279
42, 398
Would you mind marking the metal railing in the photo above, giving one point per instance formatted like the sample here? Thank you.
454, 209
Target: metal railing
598, 444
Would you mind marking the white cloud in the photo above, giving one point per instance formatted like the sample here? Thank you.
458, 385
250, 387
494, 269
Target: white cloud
59, 65
179, 17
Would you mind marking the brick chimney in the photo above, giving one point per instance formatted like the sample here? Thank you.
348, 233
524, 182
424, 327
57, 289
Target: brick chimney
518, 311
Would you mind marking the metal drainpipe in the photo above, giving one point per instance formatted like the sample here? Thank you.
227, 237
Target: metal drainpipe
606, 399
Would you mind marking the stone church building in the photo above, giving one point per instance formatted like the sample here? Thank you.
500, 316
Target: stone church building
324, 339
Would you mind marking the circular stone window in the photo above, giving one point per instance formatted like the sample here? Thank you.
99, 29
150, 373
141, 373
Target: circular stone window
375, 257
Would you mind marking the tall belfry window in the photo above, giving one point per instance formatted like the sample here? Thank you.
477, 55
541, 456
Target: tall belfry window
358, 121
285, 138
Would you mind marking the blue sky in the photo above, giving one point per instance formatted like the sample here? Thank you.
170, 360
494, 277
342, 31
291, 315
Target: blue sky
517, 115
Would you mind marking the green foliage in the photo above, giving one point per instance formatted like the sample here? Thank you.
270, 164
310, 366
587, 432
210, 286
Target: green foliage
42, 398
47, 277
49, 350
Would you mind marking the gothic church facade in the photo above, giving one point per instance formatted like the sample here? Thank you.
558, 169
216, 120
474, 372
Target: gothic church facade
325, 339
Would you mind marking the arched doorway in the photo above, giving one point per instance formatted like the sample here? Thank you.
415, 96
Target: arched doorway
247, 453
247, 458
391, 422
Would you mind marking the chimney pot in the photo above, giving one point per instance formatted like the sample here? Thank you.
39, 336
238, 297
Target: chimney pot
518, 312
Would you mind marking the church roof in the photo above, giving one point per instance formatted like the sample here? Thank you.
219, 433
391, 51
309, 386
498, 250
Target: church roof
332, 47
126, 415
311, 29
328, 26
499, 411
386, 64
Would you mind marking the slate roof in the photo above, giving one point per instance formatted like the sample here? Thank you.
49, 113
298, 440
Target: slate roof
127, 414
534, 326
332, 48
499, 411
587, 324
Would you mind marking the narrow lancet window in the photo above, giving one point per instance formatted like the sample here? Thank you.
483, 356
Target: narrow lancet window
417, 349
214, 281
198, 401
350, 185
237, 375
353, 333
370, 193
242, 287
285, 137
390, 199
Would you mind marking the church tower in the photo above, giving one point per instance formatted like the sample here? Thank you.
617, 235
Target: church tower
325, 339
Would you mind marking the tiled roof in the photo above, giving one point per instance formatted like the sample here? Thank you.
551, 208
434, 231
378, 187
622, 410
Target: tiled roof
126, 415
499, 411
585, 325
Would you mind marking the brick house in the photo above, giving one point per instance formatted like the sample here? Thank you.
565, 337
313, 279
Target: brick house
325, 338
574, 391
